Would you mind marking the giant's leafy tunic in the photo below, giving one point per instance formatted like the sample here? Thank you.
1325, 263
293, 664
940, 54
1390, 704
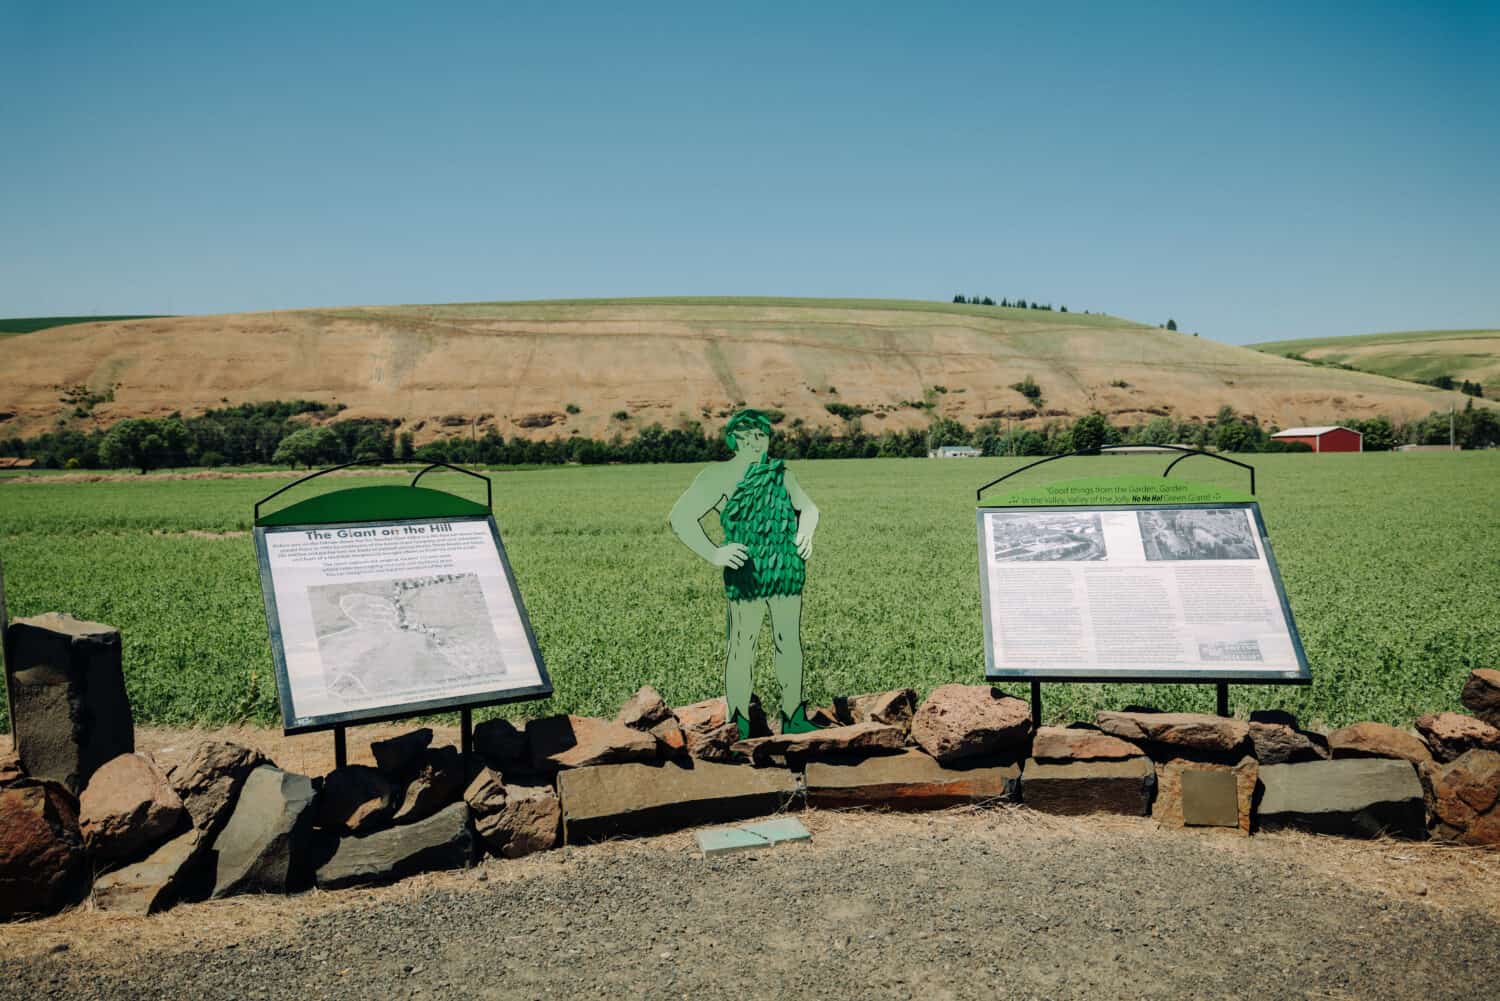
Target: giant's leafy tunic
759, 516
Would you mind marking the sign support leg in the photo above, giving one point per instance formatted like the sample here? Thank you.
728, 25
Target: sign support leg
1036, 704
1223, 709
340, 748
466, 738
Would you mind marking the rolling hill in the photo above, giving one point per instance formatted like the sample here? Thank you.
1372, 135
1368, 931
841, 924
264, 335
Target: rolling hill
598, 367
1417, 355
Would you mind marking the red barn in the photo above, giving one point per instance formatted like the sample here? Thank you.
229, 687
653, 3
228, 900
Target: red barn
1325, 439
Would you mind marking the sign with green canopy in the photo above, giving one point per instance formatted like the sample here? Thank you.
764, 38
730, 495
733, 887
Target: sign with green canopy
391, 601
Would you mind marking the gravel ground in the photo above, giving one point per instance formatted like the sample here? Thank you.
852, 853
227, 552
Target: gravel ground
966, 904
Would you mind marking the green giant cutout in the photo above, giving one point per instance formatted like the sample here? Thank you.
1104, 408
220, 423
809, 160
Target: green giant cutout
768, 523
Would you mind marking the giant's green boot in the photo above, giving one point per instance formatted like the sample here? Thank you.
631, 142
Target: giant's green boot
798, 722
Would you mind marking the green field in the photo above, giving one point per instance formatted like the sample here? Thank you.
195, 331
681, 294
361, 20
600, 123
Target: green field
13, 326
1390, 564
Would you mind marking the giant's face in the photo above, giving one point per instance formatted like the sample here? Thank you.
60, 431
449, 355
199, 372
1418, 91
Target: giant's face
751, 442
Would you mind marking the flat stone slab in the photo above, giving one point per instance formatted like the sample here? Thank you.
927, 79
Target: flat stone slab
603, 801
779, 830
442, 841
857, 738
1066, 743
910, 780
1081, 787
153, 884
728, 840
581, 741
1353, 797
1377, 740
1192, 731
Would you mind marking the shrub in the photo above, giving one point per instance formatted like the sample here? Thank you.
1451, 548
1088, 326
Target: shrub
1028, 388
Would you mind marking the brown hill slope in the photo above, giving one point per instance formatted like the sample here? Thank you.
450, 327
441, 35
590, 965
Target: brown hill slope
517, 367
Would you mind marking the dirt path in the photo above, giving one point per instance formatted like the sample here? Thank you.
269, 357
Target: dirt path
964, 904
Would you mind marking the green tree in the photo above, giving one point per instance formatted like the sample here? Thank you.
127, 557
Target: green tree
1171, 324
946, 431
307, 446
145, 444
1090, 431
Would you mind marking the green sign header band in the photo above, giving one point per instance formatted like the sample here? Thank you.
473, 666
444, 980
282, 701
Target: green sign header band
1105, 491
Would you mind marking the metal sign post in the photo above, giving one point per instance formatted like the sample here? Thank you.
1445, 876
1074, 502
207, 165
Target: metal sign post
387, 602
1134, 579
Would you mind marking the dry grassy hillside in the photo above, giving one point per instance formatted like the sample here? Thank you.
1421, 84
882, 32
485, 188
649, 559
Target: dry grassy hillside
1418, 355
518, 367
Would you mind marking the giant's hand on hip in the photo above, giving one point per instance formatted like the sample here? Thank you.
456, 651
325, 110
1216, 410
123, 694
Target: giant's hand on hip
804, 544
731, 555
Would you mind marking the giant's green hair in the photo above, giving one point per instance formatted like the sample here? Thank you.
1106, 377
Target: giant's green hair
746, 419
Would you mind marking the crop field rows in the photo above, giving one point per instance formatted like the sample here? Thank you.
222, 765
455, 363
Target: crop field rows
1391, 564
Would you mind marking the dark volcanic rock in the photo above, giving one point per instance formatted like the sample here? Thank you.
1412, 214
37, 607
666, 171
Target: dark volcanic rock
1188, 731
211, 778
1450, 735
857, 738
969, 721
1063, 744
514, 818
42, 861
910, 780
442, 841
1351, 797
609, 800
128, 809
1377, 740
155, 883
355, 799
1481, 695
1465, 798
500, 744
894, 708
643, 710
265, 844
1081, 787
398, 756
579, 741
68, 709
1279, 744
438, 781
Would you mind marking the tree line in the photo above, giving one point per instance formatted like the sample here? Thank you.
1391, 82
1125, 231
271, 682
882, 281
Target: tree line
975, 300
267, 434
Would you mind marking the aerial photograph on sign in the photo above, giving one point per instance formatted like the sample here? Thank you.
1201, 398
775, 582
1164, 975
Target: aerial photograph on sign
1197, 535
1048, 536
393, 636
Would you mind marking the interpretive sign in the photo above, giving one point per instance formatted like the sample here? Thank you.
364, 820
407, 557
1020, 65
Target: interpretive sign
380, 619
1089, 591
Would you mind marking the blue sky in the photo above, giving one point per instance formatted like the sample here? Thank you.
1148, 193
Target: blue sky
1253, 171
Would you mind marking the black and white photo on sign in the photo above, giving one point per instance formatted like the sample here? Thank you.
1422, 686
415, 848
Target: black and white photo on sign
387, 637
1037, 536
1197, 535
